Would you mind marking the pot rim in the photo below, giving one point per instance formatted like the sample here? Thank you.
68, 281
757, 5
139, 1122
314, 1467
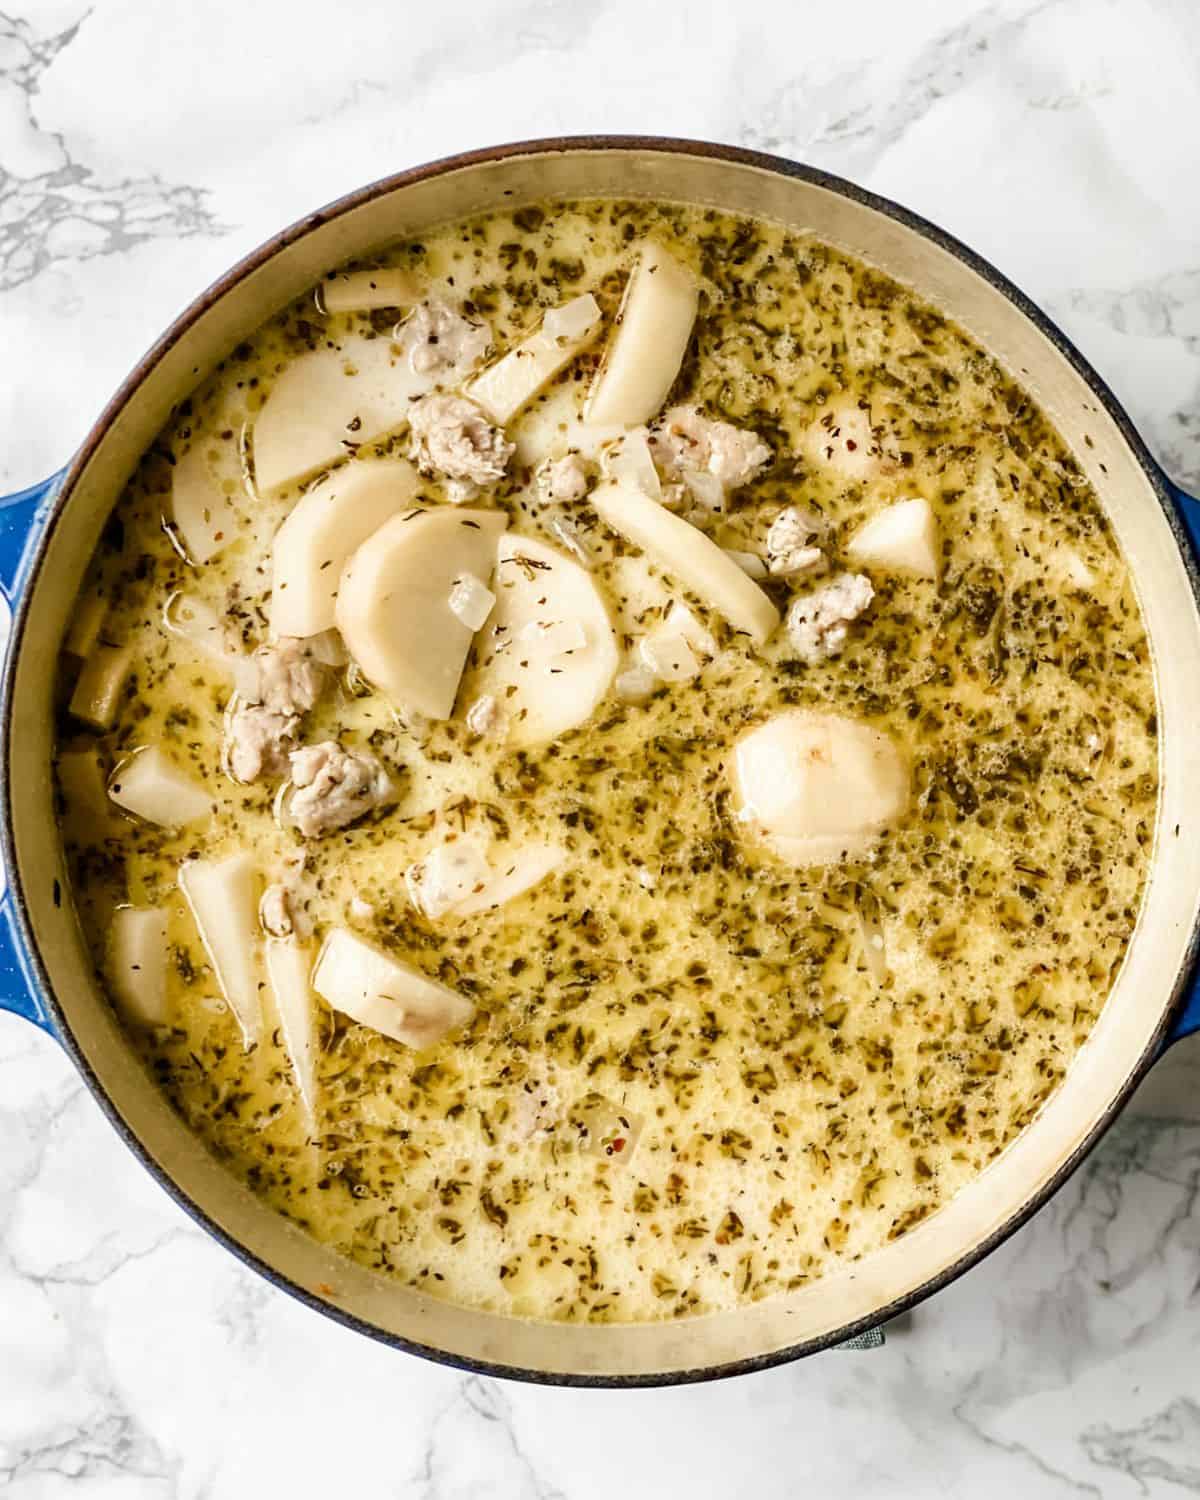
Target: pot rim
665, 145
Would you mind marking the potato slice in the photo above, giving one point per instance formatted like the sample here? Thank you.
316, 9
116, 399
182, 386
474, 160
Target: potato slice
901, 539
289, 969
366, 291
819, 787
647, 349
324, 527
138, 963
393, 605
223, 898
100, 684
151, 786
688, 556
328, 403
566, 331
204, 514
548, 653
390, 996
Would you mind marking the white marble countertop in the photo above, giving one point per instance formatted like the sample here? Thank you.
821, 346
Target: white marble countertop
142, 149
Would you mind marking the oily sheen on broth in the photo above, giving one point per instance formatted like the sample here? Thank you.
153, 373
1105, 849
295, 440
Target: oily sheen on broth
618, 1013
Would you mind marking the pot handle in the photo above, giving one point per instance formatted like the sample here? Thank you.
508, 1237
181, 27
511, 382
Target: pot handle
1187, 508
22, 517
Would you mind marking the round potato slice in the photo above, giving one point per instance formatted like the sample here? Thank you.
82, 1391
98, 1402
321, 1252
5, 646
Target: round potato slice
325, 526
548, 652
393, 604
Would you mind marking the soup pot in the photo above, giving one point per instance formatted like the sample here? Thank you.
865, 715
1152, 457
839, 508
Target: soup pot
47, 535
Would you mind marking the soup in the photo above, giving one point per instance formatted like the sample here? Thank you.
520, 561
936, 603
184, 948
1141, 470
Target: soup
608, 761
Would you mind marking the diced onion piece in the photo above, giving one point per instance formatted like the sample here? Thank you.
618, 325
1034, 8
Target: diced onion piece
1074, 569
564, 530
368, 291
328, 403
844, 439
393, 606
749, 562
819, 787
223, 898
446, 877
289, 966
647, 349
688, 556
86, 625
100, 685
669, 656
548, 680
636, 684
471, 601
204, 514
138, 963
328, 648
197, 622
681, 620
601, 1128
903, 539
382, 992
672, 651
151, 786
518, 871
553, 637
592, 439
629, 460
507, 385
326, 525
705, 489
866, 904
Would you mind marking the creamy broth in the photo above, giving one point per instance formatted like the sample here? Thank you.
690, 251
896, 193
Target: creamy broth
695, 1073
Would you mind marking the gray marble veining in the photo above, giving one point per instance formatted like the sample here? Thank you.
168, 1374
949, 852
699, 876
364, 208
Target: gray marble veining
141, 150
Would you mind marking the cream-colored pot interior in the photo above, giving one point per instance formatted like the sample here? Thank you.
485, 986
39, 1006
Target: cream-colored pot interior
1131, 1024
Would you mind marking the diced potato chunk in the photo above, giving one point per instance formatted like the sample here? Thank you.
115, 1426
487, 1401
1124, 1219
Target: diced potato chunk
223, 898
326, 525
151, 786
138, 963
100, 684
647, 349
901, 539
289, 969
367, 291
507, 385
689, 557
819, 787
384, 993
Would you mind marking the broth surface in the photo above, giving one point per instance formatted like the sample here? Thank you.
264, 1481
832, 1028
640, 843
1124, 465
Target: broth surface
687, 1083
